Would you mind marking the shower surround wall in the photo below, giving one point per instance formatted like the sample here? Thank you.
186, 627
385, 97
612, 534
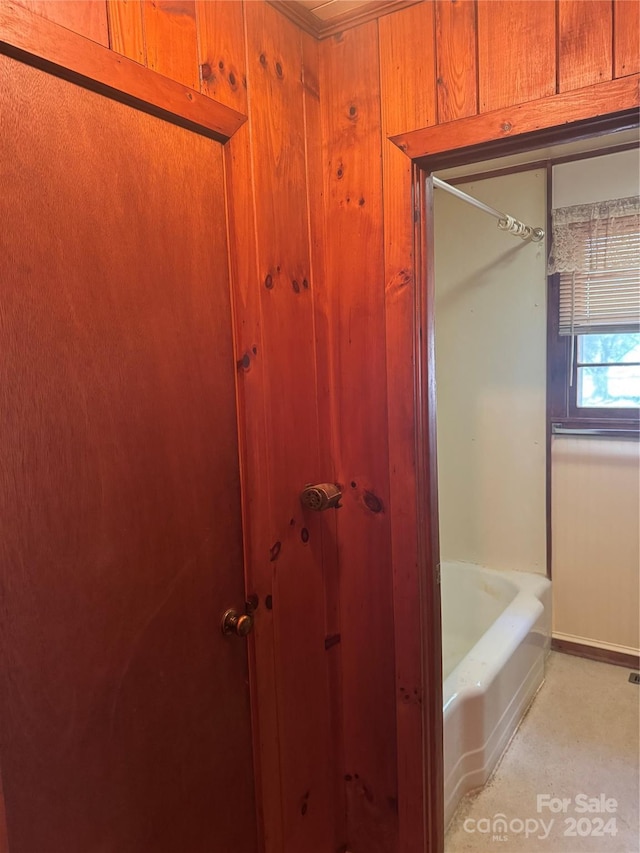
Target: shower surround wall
490, 374
490, 326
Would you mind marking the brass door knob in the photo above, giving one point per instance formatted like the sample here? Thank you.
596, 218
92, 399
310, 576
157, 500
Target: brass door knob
321, 496
236, 623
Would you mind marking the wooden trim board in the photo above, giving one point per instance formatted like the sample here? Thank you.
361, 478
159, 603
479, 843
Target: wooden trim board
509, 122
581, 650
36, 41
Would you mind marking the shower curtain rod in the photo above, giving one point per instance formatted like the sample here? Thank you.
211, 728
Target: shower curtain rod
506, 222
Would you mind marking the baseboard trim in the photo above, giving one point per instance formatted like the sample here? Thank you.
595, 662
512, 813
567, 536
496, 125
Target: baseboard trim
595, 653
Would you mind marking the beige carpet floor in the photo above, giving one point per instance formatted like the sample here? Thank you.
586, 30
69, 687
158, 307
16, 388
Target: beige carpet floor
579, 742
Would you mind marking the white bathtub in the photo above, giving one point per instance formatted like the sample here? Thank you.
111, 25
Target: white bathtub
496, 630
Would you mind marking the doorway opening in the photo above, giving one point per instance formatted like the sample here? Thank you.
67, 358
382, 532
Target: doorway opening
488, 162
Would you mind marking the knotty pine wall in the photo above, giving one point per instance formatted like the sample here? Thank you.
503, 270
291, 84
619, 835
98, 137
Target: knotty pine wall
320, 231
435, 63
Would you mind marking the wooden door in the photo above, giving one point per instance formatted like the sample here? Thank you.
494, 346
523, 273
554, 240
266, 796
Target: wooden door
124, 722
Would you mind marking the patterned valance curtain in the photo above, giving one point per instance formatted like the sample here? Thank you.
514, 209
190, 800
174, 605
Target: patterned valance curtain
596, 251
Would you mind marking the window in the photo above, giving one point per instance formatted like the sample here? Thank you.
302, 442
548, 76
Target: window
607, 371
594, 305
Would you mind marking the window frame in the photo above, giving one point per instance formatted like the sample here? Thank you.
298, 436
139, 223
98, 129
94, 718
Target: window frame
562, 405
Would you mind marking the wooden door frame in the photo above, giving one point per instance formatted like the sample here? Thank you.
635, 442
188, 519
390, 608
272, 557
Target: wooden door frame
592, 111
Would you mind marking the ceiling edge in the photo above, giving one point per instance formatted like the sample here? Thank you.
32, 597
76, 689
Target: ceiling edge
308, 22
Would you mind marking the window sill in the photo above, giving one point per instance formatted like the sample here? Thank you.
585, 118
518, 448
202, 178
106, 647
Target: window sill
597, 427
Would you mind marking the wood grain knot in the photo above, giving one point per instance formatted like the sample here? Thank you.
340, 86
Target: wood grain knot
268, 602
244, 363
410, 697
263, 59
205, 72
274, 551
373, 502
353, 111
295, 285
305, 283
304, 805
304, 535
268, 282
232, 80
366, 790
279, 71
399, 281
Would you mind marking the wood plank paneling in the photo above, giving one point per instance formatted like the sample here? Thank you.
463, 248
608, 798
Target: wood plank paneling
408, 100
626, 37
222, 62
86, 17
407, 68
353, 217
39, 42
4, 841
254, 468
585, 43
592, 101
321, 294
274, 68
126, 30
172, 45
456, 59
229, 45
516, 52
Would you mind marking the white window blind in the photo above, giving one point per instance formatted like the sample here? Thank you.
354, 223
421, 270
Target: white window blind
596, 251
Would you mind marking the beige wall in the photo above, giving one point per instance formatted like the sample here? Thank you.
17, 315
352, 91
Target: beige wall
596, 482
596, 179
596, 541
490, 371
